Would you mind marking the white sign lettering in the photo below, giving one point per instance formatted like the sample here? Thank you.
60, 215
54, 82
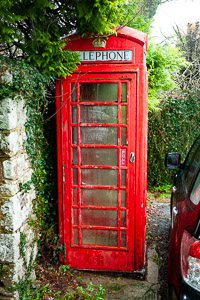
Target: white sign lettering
113, 55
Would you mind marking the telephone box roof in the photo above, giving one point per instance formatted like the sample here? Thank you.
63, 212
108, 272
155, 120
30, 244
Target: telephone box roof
123, 32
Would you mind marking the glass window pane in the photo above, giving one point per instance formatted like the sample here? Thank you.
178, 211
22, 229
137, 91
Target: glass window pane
74, 114
195, 194
104, 91
123, 92
123, 178
192, 169
75, 196
74, 135
123, 198
123, 115
123, 218
75, 176
73, 92
99, 237
190, 155
99, 217
99, 135
123, 136
99, 114
99, 156
123, 238
75, 216
99, 197
99, 177
75, 237
74, 156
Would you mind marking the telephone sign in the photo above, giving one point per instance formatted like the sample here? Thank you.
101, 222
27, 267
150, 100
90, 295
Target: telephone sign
102, 154
114, 55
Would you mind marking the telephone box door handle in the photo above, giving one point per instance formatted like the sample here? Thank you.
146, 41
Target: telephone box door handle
132, 157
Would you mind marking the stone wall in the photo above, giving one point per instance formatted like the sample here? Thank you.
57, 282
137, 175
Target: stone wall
15, 205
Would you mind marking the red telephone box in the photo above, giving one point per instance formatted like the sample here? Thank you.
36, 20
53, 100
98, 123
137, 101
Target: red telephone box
102, 153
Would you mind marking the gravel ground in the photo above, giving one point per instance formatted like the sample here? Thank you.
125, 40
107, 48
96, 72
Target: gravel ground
158, 228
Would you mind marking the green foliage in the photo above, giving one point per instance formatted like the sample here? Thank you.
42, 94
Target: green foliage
28, 82
36, 294
92, 292
99, 16
23, 285
135, 15
65, 268
22, 246
156, 259
32, 29
26, 290
148, 237
42, 177
151, 7
172, 128
175, 125
163, 64
53, 60
31, 84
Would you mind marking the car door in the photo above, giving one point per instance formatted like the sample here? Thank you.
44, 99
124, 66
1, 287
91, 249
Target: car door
185, 212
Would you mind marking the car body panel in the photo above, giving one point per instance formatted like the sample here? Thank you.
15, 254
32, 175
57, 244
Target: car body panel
185, 216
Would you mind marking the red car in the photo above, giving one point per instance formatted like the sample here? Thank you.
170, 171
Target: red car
184, 248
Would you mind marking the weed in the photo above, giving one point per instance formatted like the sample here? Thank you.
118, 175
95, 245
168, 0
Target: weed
165, 195
24, 284
92, 292
163, 188
148, 236
65, 268
156, 259
36, 294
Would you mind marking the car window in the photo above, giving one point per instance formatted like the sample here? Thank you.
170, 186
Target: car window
189, 157
194, 165
195, 194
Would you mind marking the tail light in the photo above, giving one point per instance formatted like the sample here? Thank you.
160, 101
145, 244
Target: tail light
190, 260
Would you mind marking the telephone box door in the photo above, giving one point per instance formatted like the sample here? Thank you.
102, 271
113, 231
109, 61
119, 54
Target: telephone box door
98, 139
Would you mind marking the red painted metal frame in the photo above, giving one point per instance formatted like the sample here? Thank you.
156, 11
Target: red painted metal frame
131, 258
107, 251
79, 166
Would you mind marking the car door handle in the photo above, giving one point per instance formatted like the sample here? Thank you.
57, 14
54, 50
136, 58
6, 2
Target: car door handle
174, 189
174, 214
175, 211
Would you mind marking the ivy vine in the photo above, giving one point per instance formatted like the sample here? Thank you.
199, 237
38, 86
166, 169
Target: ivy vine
172, 128
28, 82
